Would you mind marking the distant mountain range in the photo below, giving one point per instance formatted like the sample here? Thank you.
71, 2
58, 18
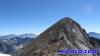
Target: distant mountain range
20, 36
11, 43
93, 34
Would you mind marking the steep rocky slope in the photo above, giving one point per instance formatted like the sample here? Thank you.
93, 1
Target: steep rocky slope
65, 34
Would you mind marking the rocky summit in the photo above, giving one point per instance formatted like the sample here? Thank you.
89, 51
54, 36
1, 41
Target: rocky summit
66, 34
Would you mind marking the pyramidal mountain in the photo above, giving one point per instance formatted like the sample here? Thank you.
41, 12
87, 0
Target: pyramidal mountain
66, 34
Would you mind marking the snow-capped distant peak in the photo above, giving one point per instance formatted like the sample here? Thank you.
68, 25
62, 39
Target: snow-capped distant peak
93, 34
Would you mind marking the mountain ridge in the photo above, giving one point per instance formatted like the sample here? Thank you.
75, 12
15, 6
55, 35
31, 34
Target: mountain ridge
13, 35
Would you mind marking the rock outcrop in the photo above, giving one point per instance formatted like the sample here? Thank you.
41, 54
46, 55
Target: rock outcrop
65, 34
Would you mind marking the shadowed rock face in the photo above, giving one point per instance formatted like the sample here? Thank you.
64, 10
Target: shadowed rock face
65, 34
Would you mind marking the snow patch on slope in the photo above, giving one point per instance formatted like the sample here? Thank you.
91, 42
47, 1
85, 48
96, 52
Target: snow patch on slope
4, 54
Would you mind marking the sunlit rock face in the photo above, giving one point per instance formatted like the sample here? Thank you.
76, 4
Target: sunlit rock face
65, 34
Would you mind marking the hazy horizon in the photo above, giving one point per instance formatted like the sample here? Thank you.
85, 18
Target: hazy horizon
35, 16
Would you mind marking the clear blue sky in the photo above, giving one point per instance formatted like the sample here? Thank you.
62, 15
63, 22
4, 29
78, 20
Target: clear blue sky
35, 16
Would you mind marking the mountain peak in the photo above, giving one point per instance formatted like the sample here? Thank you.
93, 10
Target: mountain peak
68, 21
65, 19
65, 22
64, 34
